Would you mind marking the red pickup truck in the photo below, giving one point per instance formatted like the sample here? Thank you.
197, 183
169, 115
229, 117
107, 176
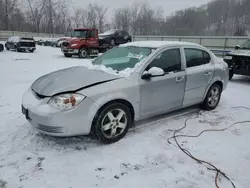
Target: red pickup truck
84, 42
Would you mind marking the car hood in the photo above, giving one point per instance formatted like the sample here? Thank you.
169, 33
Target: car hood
103, 35
70, 80
74, 40
240, 52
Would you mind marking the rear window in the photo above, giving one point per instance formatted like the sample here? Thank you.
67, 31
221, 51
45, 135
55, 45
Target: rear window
23, 38
196, 57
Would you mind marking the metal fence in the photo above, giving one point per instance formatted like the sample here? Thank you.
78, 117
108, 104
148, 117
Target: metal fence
213, 42
6, 34
219, 45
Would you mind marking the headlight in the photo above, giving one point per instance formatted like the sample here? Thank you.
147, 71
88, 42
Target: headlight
228, 57
66, 101
73, 45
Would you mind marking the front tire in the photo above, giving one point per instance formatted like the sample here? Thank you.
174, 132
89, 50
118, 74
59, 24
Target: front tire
67, 55
112, 123
212, 98
112, 42
83, 53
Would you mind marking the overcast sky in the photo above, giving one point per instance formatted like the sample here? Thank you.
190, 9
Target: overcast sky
169, 6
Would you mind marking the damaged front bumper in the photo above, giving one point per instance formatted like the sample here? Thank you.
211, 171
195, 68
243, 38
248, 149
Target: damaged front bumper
70, 51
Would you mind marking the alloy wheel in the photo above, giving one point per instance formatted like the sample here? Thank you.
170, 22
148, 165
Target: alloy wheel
114, 123
214, 97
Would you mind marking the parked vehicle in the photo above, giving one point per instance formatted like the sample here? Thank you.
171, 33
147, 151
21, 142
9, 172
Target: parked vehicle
115, 37
21, 44
134, 81
58, 42
239, 60
41, 42
85, 42
47, 42
1, 47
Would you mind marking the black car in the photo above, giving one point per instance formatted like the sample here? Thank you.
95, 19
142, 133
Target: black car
114, 37
239, 60
1, 48
21, 44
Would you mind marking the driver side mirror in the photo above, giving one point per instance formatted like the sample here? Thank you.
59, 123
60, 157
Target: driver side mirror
153, 72
237, 47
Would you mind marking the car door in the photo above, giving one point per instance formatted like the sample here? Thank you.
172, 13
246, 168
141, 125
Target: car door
199, 71
119, 37
163, 93
8, 43
125, 37
93, 40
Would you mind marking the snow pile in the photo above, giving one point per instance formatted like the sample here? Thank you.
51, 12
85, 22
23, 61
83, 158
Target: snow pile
144, 158
124, 73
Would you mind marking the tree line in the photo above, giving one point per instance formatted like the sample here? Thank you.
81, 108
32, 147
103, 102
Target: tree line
216, 18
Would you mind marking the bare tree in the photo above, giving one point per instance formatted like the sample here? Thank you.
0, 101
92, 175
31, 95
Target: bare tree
218, 17
77, 17
36, 8
101, 12
9, 6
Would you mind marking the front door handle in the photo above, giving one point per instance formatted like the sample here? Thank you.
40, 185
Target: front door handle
179, 78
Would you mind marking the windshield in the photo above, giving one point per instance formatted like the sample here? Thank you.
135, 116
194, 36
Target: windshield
79, 33
110, 32
121, 58
245, 45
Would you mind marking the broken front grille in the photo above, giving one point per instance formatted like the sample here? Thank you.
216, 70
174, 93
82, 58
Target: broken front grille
65, 44
241, 62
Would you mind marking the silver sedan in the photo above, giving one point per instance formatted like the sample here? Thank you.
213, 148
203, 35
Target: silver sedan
134, 81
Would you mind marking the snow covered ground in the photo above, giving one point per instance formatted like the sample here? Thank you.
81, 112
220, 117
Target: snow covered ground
143, 158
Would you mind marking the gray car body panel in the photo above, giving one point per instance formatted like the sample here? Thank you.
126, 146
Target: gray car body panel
147, 97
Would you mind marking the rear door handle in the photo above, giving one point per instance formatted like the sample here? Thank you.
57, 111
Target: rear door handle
207, 73
179, 78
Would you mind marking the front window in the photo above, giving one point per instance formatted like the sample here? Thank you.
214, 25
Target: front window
245, 45
79, 33
121, 58
169, 61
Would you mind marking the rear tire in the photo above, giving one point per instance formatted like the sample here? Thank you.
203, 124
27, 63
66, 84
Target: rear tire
231, 74
83, 53
212, 98
67, 55
1, 48
112, 123
17, 49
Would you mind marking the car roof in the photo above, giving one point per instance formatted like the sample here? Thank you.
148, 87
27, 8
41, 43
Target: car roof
158, 44
82, 29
